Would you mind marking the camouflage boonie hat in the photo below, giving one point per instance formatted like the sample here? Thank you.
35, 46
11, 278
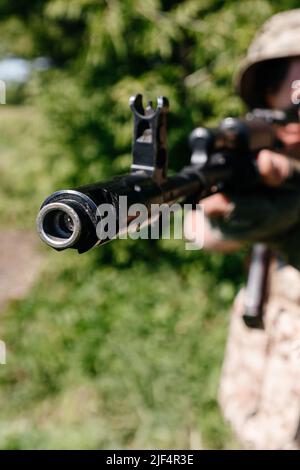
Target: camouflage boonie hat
278, 38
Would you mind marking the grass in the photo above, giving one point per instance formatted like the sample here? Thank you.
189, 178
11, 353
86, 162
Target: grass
124, 354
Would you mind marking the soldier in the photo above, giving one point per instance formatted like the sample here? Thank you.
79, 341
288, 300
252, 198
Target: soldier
260, 383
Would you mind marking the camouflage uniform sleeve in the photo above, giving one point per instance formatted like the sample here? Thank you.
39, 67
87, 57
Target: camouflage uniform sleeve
293, 180
270, 215
260, 383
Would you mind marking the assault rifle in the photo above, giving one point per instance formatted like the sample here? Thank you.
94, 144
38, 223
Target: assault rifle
223, 159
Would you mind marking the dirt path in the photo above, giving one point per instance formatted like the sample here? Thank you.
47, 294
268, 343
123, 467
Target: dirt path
20, 262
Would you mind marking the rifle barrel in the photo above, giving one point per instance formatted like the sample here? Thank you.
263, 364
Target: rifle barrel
69, 218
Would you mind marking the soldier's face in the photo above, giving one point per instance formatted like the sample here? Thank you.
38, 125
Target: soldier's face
284, 99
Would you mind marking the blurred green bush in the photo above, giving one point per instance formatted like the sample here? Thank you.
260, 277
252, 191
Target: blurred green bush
121, 347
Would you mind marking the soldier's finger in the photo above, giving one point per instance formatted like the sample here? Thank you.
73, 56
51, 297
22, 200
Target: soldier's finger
273, 167
217, 205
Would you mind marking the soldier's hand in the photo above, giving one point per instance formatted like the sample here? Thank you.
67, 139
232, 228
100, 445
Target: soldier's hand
273, 167
216, 205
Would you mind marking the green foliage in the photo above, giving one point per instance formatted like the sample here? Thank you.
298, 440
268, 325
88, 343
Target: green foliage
110, 358
186, 50
121, 347
108, 351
